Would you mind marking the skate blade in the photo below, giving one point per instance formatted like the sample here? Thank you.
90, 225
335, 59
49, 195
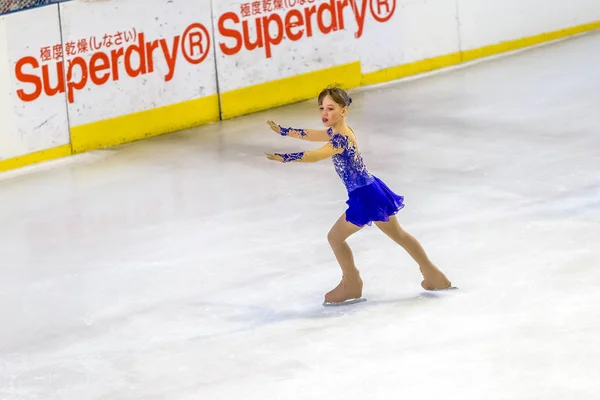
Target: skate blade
345, 303
443, 290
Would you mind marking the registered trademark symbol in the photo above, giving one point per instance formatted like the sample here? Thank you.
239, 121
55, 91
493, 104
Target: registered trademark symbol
195, 43
383, 10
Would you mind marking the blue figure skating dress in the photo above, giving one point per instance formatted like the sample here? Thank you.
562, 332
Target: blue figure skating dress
369, 198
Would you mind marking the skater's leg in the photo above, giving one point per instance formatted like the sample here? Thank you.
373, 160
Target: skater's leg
351, 285
336, 237
433, 277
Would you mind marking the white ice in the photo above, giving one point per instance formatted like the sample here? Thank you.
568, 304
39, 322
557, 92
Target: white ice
190, 267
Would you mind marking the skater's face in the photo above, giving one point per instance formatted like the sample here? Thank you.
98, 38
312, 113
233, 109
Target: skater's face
331, 112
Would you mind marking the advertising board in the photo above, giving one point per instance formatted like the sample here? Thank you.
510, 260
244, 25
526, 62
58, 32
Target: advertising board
30, 127
399, 38
275, 52
136, 69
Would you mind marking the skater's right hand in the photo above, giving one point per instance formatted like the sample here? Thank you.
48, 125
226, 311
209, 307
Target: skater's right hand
274, 157
276, 128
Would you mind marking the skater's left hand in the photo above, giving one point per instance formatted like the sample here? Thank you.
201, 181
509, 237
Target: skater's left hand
274, 157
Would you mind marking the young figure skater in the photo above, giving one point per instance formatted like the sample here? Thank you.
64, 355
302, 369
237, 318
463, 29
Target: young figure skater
369, 199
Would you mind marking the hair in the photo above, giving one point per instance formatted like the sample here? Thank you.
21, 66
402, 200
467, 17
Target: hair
337, 94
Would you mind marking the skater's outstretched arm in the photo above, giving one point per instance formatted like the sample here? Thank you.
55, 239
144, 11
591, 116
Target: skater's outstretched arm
319, 154
312, 135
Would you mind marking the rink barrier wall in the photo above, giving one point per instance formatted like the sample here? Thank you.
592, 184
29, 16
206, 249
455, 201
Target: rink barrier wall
530, 41
144, 124
148, 71
229, 104
30, 127
287, 90
449, 60
35, 158
271, 54
410, 69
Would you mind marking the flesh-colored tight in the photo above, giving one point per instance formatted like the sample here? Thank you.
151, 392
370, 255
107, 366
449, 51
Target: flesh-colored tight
433, 278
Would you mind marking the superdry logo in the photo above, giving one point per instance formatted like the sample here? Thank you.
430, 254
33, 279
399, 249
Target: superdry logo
137, 57
294, 19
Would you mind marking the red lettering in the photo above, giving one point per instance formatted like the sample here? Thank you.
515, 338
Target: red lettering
71, 85
340, 13
231, 33
382, 10
331, 9
137, 59
385, 3
196, 42
95, 68
259, 36
307, 13
298, 23
270, 39
140, 50
150, 47
170, 57
60, 84
360, 16
28, 78
294, 20
115, 54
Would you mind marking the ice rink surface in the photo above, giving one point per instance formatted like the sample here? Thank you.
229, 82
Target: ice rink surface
190, 267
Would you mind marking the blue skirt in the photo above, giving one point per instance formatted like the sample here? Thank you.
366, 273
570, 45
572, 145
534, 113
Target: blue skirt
374, 202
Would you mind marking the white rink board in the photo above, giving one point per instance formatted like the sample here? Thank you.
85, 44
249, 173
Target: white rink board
156, 83
484, 23
288, 57
401, 32
36, 122
6, 112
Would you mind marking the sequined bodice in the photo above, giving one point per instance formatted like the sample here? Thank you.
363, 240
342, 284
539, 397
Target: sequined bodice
349, 164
